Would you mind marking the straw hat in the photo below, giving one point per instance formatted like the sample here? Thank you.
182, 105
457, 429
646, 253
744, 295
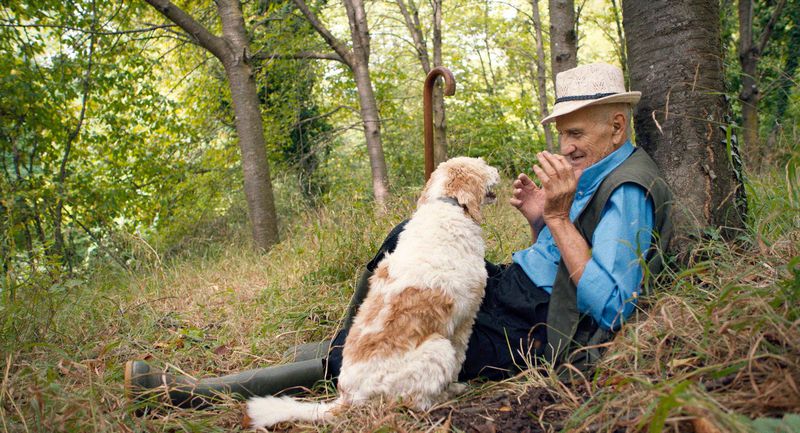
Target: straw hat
595, 84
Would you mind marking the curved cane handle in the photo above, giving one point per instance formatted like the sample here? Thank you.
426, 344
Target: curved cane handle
427, 105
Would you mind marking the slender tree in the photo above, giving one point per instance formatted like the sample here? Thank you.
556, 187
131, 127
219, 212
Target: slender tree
679, 119
541, 74
357, 59
233, 51
439, 120
749, 54
786, 80
58, 210
563, 39
411, 19
623, 56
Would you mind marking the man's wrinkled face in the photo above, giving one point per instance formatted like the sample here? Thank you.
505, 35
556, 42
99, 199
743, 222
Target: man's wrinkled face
587, 135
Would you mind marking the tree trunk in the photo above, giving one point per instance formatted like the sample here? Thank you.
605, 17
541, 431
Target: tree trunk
357, 60
563, 41
372, 132
541, 74
249, 126
411, 18
749, 53
58, 248
439, 118
359, 32
232, 50
749, 94
674, 55
786, 80
623, 57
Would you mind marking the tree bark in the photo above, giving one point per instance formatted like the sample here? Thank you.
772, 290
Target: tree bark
749, 54
232, 49
674, 55
372, 132
541, 74
623, 57
786, 80
747, 58
357, 59
249, 126
410, 14
359, 31
563, 40
439, 118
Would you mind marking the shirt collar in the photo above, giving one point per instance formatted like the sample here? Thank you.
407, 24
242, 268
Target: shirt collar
591, 177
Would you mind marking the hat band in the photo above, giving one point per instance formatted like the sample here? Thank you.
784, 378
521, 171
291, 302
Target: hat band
583, 97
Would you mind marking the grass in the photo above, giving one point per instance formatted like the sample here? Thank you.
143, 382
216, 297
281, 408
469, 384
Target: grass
719, 343
716, 346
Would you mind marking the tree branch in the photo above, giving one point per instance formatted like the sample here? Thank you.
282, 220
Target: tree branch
413, 26
338, 46
212, 43
358, 27
762, 44
58, 245
62, 172
98, 242
300, 56
437, 32
330, 113
78, 29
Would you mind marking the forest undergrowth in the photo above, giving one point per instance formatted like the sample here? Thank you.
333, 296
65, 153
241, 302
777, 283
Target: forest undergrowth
714, 348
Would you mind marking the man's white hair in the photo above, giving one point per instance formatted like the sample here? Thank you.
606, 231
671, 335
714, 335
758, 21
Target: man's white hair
605, 112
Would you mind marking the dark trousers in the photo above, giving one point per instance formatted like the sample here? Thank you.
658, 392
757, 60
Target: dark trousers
509, 331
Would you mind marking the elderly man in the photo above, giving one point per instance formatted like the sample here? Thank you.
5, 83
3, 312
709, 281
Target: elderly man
592, 223
598, 219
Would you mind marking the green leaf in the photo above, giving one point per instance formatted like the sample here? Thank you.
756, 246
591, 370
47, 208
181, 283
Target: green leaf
789, 424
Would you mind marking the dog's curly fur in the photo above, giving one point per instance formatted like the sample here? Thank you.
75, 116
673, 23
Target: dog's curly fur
410, 335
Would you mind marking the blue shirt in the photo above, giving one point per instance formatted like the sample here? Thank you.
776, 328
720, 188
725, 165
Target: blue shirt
610, 282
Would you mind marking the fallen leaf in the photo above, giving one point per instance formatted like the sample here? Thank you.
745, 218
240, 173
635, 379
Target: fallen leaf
446, 427
222, 350
703, 425
675, 363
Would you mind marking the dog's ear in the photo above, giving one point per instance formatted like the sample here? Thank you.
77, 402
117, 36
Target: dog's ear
466, 186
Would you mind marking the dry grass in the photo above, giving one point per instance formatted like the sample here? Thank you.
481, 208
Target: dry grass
713, 355
221, 310
718, 345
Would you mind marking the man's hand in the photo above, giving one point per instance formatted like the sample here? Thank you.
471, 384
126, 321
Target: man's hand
559, 182
529, 200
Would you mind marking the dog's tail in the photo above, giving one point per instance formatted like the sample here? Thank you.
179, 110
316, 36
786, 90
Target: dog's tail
268, 411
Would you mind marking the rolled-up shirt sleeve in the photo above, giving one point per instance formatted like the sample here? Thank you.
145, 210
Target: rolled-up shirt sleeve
614, 273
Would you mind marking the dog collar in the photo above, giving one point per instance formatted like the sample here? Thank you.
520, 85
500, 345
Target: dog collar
450, 200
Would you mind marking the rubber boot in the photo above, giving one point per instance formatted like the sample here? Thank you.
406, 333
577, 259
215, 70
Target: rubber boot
320, 349
306, 351
143, 382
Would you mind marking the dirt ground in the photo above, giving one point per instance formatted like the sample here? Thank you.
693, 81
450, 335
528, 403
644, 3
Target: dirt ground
536, 410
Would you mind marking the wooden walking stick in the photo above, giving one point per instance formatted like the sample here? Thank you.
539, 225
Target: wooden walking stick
427, 105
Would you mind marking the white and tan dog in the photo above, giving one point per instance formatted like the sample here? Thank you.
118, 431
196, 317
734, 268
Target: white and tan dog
410, 335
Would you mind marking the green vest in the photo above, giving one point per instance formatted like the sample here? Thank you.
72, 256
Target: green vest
570, 334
